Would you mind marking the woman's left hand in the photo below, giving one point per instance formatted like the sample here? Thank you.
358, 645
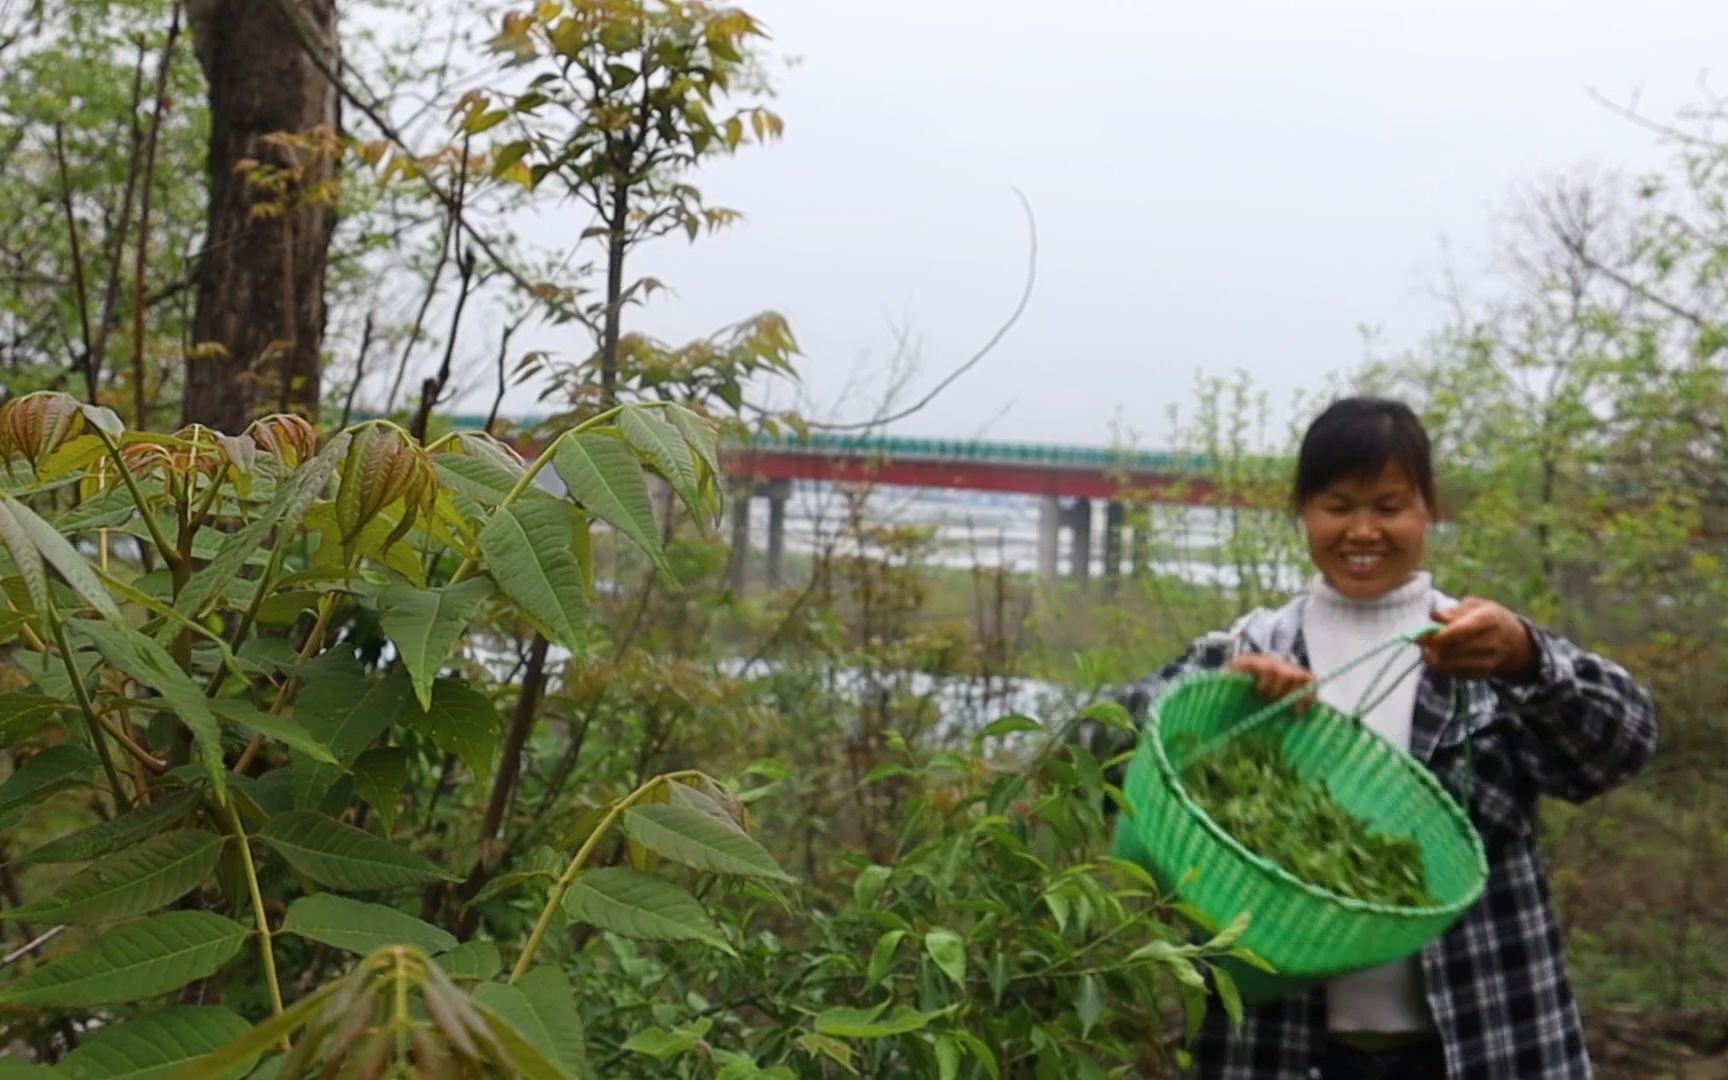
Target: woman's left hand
1480, 639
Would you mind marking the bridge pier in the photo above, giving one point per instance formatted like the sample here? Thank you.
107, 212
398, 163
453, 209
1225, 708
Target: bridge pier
738, 559
777, 491
1049, 536
1076, 519
744, 491
1080, 548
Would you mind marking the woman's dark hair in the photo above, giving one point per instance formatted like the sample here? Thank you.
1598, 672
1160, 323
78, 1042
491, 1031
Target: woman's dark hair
1354, 438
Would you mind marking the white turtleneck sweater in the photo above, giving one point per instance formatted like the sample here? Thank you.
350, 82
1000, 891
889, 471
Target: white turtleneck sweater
1338, 629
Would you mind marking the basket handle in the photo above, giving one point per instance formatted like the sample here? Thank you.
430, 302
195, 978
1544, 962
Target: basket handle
1282, 705
1368, 702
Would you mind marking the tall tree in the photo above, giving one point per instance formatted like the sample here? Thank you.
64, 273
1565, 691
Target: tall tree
273, 168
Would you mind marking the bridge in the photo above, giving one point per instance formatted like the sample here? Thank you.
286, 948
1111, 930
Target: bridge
1068, 479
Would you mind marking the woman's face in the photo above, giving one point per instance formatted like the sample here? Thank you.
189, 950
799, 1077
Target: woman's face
1366, 535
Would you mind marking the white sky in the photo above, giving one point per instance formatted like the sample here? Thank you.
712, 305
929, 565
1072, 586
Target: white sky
1222, 184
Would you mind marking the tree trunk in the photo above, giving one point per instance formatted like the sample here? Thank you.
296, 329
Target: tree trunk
261, 279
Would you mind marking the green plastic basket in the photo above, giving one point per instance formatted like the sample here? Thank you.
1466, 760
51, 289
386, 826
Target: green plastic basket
1307, 933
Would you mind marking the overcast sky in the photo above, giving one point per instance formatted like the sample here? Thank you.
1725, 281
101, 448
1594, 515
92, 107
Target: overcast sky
1235, 183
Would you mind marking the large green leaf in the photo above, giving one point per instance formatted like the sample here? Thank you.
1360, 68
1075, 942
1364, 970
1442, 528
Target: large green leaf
542, 1006
23, 715
461, 721
526, 1059
686, 835
472, 960
109, 510
664, 445
852, 1023
65, 558
11, 623
361, 927
57, 767
145, 660
143, 878
248, 1045
135, 961
380, 777
949, 953
700, 434
605, 477
425, 624
484, 482
340, 856
312, 783
157, 1046
540, 864
26, 559
527, 548
344, 709
283, 729
282, 514
637, 905
373, 542
163, 811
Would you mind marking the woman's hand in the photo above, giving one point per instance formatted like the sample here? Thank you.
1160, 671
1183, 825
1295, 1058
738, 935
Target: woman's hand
1275, 677
1479, 639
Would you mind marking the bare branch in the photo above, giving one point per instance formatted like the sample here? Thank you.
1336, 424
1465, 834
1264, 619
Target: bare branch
81, 294
140, 406
977, 357
432, 388
359, 370
420, 317
305, 36
117, 230
503, 369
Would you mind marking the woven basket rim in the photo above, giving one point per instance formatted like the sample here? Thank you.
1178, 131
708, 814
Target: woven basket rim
1423, 776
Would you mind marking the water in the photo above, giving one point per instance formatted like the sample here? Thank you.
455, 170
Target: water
991, 529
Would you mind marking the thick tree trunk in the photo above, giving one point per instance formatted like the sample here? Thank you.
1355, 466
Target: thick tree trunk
261, 280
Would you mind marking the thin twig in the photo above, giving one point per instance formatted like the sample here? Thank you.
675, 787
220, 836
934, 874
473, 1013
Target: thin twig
31, 946
117, 239
127, 743
140, 405
81, 293
504, 783
359, 371
420, 317
989, 346
503, 361
433, 387
310, 46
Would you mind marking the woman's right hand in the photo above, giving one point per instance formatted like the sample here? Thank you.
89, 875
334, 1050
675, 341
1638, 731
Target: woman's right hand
1275, 677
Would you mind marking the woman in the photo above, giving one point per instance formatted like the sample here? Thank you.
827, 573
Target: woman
1539, 715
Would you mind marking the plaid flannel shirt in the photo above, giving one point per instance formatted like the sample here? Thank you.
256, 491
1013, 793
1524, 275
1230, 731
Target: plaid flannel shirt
1496, 981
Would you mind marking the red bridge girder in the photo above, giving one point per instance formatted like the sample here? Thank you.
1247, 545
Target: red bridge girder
1022, 479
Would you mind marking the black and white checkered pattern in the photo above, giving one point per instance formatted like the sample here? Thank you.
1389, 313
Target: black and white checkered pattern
1496, 982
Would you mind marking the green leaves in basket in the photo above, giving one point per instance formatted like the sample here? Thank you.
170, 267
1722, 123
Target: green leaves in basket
1252, 793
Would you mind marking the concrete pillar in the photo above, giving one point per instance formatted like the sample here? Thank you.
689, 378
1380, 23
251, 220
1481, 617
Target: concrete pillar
737, 566
1114, 514
1141, 542
1049, 537
778, 492
1080, 566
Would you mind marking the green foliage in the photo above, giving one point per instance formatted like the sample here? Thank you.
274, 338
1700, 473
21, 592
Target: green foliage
287, 722
1253, 793
991, 941
133, 962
